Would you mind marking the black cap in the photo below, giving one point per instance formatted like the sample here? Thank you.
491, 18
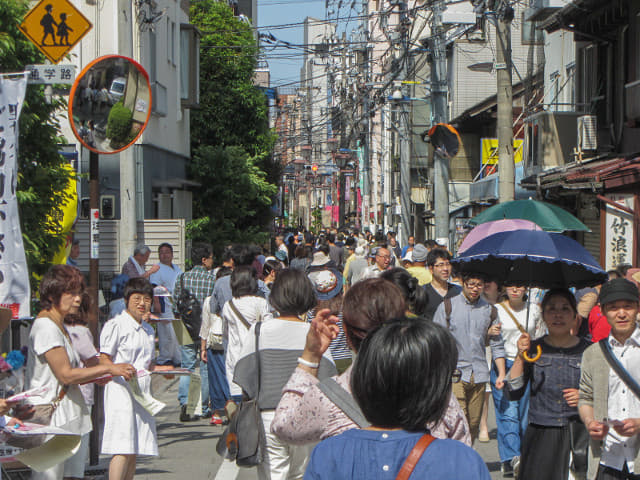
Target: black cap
618, 289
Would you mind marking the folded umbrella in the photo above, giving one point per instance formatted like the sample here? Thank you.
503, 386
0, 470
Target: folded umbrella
532, 258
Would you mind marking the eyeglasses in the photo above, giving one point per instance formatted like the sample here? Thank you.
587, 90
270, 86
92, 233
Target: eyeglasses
443, 264
387, 257
456, 376
472, 286
140, 298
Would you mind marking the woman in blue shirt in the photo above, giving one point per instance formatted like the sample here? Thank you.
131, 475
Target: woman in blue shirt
401, 380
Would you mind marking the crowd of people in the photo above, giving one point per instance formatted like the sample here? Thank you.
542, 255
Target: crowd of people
360, 353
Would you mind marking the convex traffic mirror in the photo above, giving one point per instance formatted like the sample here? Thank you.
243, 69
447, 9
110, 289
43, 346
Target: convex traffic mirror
110, 104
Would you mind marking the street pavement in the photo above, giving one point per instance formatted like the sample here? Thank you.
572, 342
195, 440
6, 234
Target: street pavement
187, 450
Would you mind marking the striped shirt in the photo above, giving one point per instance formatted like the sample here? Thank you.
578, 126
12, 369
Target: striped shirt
281, 343
338, 347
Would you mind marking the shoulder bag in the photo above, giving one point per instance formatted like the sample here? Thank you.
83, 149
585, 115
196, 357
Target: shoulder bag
344, 401
617, 367
41, 415
240, 316
414, 456
244, 439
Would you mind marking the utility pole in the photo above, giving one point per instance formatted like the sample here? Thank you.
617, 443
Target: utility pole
405, 152
440, 115
506, 167
366, 120
128, 191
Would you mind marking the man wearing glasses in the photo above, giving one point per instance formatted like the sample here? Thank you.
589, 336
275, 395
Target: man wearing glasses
438, 261
470, 319
382, 259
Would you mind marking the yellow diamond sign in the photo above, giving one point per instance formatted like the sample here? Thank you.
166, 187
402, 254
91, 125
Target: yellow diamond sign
55, 27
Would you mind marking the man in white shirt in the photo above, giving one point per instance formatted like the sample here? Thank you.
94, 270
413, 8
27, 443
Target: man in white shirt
608, 407
382, 259
167, 270
168, 346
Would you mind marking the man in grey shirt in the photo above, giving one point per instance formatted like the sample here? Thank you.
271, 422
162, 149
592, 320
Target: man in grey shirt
470, 318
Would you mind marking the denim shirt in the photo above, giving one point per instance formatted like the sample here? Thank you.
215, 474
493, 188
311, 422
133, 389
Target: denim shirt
557, 369
469, 325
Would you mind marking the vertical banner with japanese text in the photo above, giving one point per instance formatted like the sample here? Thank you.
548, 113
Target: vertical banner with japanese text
14, 276
619, 241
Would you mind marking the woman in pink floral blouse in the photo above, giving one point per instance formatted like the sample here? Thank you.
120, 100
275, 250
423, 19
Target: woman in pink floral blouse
305, 413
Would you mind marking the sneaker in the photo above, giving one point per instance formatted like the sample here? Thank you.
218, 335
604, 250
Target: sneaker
215, 420
506, 469
515, 464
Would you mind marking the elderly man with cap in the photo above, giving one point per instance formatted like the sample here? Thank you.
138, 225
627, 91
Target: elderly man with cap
609, 403
418, 267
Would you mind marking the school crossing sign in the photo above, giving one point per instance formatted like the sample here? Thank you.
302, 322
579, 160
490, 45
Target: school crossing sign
55, 27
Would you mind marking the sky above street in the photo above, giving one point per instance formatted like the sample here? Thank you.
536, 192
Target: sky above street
285, 63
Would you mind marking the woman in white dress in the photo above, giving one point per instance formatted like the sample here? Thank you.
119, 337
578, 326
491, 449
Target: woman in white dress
129, 429
52, 362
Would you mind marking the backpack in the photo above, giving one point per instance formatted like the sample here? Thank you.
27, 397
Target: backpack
189, 311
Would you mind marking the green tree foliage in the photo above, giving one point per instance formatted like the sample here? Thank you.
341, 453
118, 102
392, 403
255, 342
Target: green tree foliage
241, 194
42, 176
232, 111
230, 137
119, 125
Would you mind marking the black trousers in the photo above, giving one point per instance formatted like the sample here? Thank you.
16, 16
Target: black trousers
608, 473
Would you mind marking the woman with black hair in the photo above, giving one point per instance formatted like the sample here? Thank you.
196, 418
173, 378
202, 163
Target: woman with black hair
281, 342
238, 314
402, 381
270, 271
129, 429
414, 295
554, 424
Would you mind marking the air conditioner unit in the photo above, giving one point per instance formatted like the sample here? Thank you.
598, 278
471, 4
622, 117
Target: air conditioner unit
587, 133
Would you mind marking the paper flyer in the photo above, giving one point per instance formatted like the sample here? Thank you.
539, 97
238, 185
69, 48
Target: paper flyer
60, 446
56, 450
194, 400
34, 392
147, 402
182, 333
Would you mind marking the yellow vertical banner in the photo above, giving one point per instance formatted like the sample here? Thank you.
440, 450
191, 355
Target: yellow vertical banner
67, 218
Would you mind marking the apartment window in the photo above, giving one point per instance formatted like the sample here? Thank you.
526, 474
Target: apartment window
571, 86
189, 66
530, 34
153, 51
554, 91
172, 44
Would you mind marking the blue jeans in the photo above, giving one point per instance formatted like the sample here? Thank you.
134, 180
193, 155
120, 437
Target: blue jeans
218, 385
190, 361
511, 417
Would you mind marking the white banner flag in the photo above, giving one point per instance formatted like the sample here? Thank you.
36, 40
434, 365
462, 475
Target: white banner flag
14, 276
